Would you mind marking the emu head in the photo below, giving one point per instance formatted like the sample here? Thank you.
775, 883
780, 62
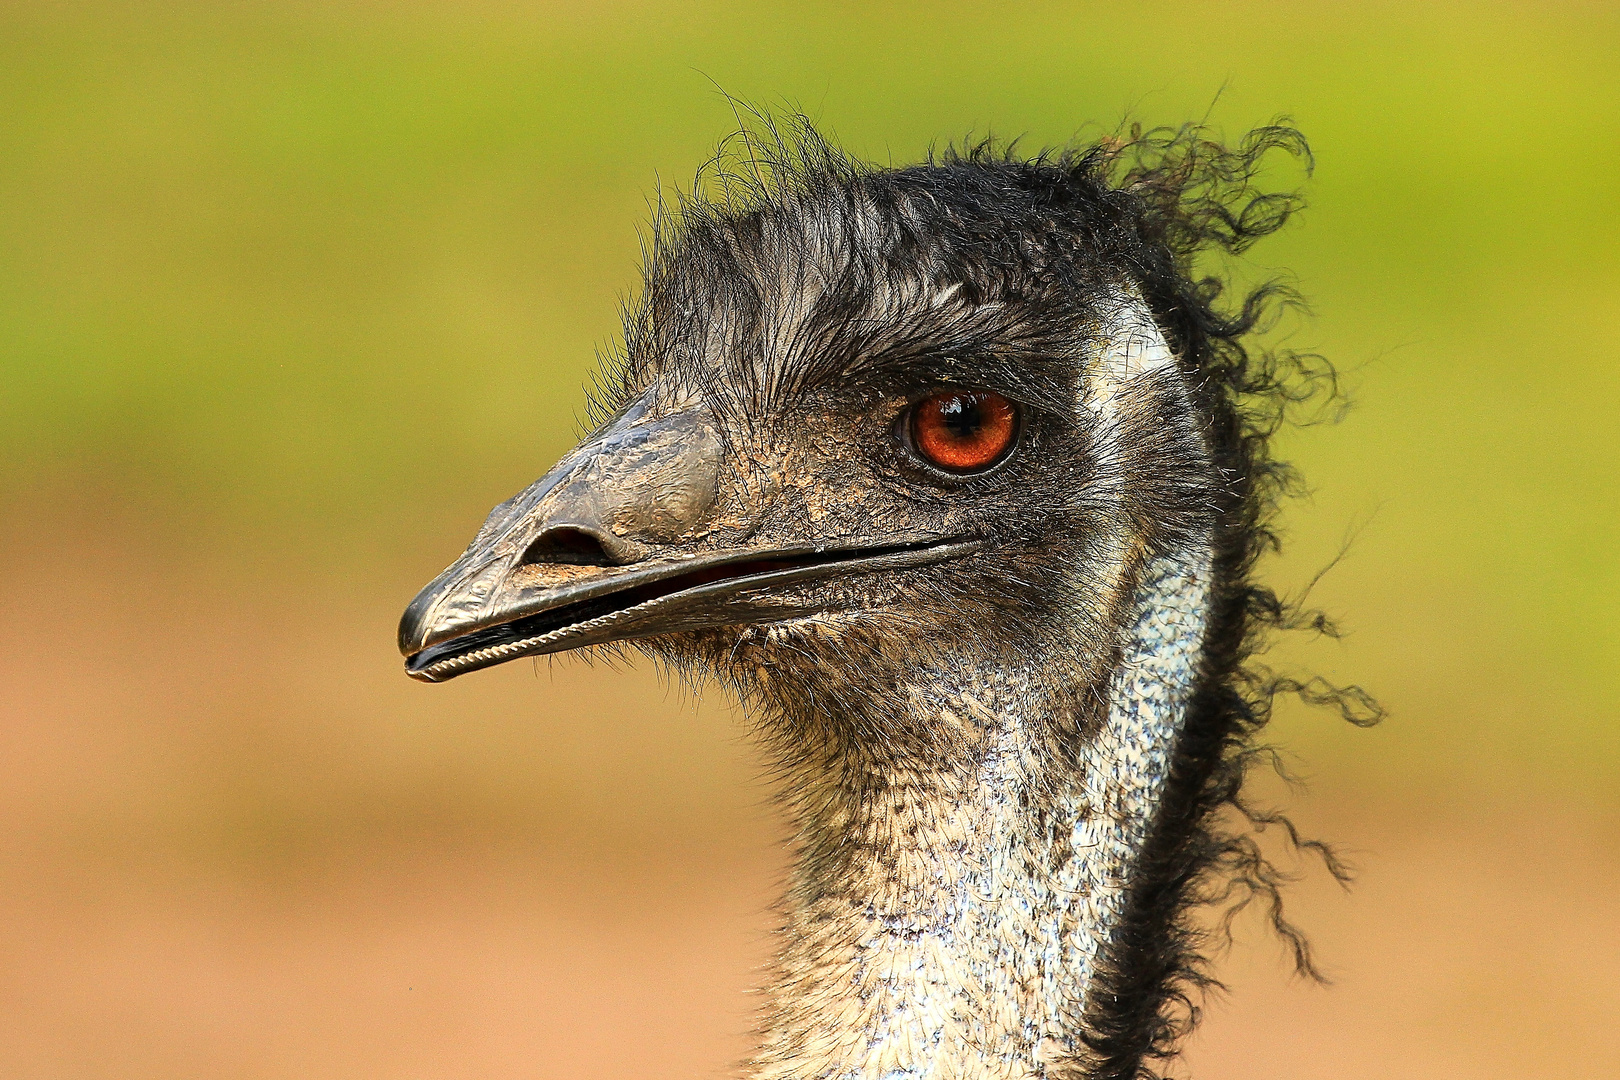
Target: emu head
872, 414
943, 469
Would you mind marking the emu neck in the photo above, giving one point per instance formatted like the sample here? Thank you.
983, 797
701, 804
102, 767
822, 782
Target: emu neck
947, 922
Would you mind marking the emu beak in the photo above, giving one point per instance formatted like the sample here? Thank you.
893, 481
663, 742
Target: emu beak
612, 545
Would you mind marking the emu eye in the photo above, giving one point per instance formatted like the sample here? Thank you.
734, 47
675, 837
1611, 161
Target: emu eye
963, 431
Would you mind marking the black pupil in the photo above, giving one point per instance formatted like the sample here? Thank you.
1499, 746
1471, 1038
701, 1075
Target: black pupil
962, 416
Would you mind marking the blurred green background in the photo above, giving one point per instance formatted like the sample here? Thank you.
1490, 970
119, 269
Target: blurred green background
292, 293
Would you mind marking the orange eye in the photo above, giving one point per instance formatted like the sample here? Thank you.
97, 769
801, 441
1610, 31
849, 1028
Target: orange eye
963, 431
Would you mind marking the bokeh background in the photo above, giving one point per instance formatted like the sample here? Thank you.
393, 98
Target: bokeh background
291, 294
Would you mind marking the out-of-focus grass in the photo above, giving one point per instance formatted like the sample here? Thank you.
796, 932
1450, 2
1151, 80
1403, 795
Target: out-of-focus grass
300, 288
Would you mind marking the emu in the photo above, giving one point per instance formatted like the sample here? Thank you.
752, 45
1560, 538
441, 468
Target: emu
956, 474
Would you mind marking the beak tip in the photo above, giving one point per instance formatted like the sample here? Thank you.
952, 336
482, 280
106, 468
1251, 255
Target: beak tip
413, 636
413, 625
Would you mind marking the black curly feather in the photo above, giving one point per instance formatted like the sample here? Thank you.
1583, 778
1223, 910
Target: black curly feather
1179, 195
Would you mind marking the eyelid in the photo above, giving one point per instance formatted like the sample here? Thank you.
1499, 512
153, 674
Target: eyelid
912, 392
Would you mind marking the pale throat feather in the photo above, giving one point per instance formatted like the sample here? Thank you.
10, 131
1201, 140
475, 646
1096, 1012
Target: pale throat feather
969, 949
967, 940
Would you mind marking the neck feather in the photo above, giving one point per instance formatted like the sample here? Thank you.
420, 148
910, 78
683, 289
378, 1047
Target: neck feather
949, 922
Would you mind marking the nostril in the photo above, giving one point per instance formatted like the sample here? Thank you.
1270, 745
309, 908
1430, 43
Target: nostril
567, 545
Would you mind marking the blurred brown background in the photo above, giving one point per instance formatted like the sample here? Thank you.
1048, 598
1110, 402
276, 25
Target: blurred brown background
292, 293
